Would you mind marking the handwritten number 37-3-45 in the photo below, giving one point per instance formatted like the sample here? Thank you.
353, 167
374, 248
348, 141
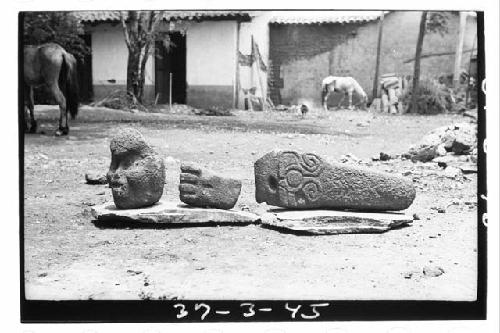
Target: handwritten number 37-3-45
310, 311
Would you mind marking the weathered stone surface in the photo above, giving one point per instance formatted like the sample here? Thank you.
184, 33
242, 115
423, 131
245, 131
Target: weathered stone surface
96, 178
204, 188
292, 180
171, 213
137, 173
330, 222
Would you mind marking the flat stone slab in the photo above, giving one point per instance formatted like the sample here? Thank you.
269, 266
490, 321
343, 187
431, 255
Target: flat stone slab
331, 222
165, 212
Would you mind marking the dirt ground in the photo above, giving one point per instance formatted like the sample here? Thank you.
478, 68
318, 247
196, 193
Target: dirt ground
68, 256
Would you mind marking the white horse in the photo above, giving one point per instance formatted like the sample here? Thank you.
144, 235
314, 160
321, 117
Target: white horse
345, 85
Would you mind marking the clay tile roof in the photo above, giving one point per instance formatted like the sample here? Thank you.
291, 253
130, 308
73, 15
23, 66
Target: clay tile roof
329, 16
114, 15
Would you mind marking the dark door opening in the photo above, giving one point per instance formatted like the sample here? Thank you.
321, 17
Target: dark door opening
171, 60
84, 69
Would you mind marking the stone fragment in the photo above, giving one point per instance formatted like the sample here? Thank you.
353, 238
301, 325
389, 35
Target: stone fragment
452, 172
305, 181
384, 156
171, 213
96, 178
433, 271
203, 188
137, 173
330, 222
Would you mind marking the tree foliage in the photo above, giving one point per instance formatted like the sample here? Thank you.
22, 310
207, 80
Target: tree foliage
437, 22
62, 28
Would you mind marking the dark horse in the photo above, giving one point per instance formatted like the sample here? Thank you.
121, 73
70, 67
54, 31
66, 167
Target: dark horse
50, 65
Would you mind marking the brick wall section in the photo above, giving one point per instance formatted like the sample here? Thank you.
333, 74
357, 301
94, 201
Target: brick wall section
302, 55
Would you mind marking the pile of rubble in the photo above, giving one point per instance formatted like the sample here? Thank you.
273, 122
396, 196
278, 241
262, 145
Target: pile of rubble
457, 139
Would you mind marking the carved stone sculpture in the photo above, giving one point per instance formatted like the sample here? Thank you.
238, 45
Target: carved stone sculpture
203, 188
304, 181
137, 173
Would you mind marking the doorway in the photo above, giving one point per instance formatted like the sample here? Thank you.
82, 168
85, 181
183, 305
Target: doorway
84, 68
171, 60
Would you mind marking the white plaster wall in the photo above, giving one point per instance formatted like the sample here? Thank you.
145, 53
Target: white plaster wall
110, 54
211, 53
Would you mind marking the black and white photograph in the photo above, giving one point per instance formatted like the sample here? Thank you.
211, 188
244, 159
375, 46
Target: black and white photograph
229, 165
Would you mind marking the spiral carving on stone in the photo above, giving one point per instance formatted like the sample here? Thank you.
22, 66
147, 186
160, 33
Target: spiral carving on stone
312, 190
311, 163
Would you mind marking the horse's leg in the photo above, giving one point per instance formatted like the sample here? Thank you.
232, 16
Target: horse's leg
31, 108
349, 94
325, 100
63, 115
341, 100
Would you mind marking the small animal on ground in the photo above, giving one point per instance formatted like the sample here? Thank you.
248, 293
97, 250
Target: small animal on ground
344, 85
52, 66
303, 110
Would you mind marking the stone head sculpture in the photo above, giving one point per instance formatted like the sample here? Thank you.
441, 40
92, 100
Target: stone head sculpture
137, 173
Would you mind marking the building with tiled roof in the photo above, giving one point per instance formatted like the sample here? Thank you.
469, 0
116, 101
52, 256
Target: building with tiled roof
231, 58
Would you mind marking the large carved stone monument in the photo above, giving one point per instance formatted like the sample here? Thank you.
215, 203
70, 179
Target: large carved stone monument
203, 188
305, 181
137, 173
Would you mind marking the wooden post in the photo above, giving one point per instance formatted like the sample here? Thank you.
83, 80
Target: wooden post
467, 92
170, 92
416, 70
377, 64
236, 85
460, 45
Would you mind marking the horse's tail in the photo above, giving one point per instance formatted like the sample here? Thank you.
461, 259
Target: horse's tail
70, 81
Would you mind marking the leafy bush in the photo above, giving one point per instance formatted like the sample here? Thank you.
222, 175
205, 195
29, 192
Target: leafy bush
432, 98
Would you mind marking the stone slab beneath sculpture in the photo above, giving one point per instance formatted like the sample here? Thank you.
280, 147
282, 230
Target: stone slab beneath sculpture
166, 212
331, 222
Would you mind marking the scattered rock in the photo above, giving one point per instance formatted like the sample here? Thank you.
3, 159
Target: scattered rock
441, 150
384, 156
433, 271
439, 209
132, 272
171, 213
203, 188
294, 180
349, 158
468, 168
416, 217
137, 173
330, 222
452, 172
96, 178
